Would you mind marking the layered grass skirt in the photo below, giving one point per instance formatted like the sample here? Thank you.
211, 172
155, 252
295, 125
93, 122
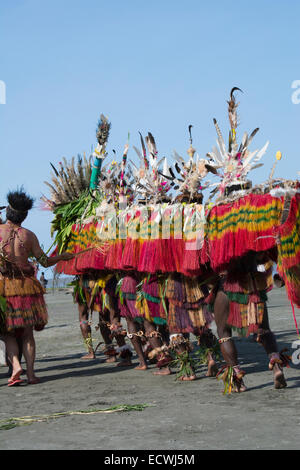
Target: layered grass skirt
127, 298
247, 293
151, 299
187, 311
23, 304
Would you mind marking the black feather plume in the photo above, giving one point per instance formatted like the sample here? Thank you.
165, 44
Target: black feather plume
19, 200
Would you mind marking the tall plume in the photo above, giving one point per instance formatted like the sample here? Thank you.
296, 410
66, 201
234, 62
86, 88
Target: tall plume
103, 130
232, 109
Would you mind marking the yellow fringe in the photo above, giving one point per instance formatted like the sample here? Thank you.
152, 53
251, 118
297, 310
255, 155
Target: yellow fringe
143, 308
26, 286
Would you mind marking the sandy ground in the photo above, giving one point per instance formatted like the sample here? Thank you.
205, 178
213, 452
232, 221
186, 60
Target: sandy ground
183, 416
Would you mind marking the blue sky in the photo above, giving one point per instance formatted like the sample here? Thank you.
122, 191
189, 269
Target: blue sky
153, 66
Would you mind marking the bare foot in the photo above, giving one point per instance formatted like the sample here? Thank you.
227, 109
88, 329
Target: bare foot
241, 387
163, 371
125, 363
111, 359
279, 380
187, 378
212, 369
141, 367
33, 380
88, 356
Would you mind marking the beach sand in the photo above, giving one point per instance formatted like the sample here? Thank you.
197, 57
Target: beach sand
182, 416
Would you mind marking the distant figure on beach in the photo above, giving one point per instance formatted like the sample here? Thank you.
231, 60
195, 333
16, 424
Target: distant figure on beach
43, 281
22, 296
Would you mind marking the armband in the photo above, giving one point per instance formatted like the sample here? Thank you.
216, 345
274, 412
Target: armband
43, 260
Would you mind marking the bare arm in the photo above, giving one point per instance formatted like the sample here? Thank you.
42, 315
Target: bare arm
43, 259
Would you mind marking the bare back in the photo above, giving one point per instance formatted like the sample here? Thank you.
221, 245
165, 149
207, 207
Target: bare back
17, 244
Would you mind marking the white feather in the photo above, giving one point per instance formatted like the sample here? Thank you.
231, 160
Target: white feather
218, 156
248, 159
138, 152
261, 152
178, 157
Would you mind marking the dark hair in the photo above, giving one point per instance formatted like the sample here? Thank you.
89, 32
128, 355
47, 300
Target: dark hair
19, 205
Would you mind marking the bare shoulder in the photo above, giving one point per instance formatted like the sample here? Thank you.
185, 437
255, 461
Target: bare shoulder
28, 234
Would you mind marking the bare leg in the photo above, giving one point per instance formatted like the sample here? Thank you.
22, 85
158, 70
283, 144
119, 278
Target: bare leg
29, 354
137, 344
209, 341
266, 337
164, 334
20, 346
156, 342
12, 351
108, 349
212, 368
86, 331
228, 349
105, 332
120, 339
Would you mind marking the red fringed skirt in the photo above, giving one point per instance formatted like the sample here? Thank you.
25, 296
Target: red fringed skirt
127, 298
25, 304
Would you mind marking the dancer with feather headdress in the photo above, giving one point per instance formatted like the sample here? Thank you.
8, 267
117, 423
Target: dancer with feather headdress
75, 198
113, 185
186, 292
71, 202
239, 299
140, 294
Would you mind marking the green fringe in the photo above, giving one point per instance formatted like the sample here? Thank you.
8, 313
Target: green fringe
78, 292
88, 342
10, 423
240, 331
66, 215
185, 363
238, 297
210, 308
204, 351
159, 321
263, 296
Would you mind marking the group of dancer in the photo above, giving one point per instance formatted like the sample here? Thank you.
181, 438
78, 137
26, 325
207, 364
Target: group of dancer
154, 261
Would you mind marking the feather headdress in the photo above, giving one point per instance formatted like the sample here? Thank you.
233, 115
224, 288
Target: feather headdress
235, 162
69, 181
114, 181
149, 182
102, 134
103, 130
190, 174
